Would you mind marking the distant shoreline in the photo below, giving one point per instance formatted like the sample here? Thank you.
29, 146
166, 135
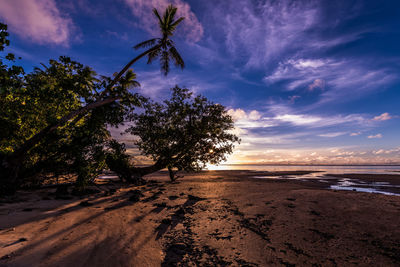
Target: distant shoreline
356, 165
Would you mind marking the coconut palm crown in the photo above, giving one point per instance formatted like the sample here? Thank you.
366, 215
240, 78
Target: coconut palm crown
164, 47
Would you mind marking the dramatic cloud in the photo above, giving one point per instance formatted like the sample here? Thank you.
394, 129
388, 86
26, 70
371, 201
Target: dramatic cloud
237, 114
320, 121
375, 136
37, 20
263, 31
191, 27
240, 114
299, 119
383, 117
252, 119
342, 79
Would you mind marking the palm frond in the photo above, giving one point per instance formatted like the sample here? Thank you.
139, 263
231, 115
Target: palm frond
166, 14
130, 75
129, 79
135, 84
172, 10
172, 27
44, 66
176, 57
169, 43
164, 61
157, 15
152, 55
171, 14
146, 44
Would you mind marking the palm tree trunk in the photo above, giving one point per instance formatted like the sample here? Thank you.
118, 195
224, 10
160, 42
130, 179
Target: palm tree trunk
12, 162
135, 175
142, 171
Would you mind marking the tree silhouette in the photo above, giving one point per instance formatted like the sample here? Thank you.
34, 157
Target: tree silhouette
183, 133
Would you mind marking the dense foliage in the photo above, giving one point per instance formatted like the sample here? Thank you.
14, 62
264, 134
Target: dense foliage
31, 102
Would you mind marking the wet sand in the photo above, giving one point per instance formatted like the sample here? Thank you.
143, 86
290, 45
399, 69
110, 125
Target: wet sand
215, 218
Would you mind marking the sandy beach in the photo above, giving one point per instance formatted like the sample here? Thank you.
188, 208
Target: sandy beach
213, 218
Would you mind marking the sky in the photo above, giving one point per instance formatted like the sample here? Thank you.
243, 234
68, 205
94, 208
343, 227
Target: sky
307, 82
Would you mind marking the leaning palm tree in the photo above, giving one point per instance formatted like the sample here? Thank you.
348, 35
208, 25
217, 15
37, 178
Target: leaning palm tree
163, 48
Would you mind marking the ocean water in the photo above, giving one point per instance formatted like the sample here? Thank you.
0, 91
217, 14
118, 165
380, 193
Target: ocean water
332, 182
342, 169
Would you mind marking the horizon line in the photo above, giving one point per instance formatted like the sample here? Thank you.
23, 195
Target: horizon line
302, 164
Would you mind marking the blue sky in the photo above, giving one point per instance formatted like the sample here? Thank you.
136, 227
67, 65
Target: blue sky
306, 81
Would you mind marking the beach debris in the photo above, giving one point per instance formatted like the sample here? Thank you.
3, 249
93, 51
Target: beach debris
22, 239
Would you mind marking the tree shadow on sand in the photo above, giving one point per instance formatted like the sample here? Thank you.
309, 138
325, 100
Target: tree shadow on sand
45, 244
177, 217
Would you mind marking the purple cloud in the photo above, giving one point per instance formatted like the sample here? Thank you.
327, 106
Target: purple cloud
375, 136
38, 20
261, 33
383, 117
